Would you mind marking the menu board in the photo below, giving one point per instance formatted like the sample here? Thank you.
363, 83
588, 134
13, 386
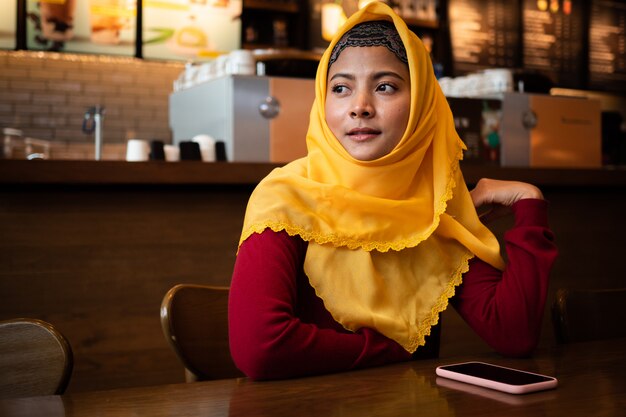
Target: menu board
172, 29
484, 34
7, 25
190, 29
607, 46
92, 26
553, 40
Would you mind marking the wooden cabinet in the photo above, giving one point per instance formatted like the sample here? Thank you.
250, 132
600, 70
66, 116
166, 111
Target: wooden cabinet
274, 24
436, 37
296, 24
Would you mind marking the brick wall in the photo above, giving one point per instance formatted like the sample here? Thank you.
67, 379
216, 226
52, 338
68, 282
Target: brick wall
46, 95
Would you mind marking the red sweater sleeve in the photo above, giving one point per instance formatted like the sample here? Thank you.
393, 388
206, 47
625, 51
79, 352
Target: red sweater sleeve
268, 339
506, 308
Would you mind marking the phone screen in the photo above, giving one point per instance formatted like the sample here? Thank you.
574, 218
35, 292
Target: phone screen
497, 373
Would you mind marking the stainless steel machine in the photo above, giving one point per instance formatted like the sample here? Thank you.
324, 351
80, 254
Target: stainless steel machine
259, 118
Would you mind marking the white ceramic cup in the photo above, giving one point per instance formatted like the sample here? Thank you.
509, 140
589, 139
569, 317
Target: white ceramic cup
221, 66
172, 153
191, 73
137, 150
204, 73
241, 62
207, 147
499, 79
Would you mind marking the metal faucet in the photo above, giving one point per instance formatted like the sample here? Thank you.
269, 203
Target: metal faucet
93, 123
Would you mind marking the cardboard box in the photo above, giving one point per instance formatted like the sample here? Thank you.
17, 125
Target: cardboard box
549, 132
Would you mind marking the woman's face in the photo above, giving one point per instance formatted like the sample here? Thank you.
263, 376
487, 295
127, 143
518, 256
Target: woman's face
367, 101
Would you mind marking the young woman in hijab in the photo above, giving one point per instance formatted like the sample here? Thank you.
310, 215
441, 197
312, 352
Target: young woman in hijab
348, 256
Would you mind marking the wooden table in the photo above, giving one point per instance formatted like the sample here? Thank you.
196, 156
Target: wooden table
592, 382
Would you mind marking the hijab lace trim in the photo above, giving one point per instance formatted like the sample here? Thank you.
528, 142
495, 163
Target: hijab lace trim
440, 305
367, 245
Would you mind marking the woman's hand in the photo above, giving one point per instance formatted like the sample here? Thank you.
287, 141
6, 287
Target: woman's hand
501, 195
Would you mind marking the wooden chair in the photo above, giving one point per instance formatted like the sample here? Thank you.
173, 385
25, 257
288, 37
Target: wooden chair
195, 322
583, 315
35, 359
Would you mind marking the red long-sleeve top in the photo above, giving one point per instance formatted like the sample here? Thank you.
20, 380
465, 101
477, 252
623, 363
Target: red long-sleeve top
279, 328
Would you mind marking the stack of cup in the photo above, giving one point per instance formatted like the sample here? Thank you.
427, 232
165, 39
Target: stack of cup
237, 62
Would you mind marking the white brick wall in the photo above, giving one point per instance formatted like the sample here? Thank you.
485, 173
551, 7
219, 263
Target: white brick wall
46, 95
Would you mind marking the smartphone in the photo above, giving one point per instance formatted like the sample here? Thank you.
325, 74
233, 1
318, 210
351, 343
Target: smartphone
512, 381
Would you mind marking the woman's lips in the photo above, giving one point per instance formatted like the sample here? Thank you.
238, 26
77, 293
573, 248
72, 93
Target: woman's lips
362, 134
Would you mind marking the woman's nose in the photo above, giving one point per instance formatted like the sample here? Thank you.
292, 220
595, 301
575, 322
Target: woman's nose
362, 107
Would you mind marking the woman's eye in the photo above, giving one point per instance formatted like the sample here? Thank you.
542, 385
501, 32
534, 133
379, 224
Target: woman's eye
385, 88
339, 89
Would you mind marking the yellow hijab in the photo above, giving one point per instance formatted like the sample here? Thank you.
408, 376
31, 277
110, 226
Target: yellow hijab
389, 239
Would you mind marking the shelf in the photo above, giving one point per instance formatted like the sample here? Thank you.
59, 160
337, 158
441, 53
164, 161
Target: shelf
272, 6
259, 24
429, 24
266, 46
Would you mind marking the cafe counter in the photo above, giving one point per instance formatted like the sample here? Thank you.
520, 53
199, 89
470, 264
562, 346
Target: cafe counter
18, 172
92, 247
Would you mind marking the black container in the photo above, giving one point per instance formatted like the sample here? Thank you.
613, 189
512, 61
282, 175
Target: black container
190, 151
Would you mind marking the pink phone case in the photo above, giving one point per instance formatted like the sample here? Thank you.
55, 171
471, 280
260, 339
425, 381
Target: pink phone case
548, 383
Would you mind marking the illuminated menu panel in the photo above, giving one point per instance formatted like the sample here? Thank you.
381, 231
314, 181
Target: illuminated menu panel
172, 29
190, 29
607, 46
553, 40
91, 26
7, 25
484, 34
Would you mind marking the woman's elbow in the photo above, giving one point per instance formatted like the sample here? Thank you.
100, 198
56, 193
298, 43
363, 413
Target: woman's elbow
256, 360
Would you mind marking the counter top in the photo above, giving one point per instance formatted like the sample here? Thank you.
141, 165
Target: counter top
131, 173
21, 172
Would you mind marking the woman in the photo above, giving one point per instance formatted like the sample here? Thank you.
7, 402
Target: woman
348, 256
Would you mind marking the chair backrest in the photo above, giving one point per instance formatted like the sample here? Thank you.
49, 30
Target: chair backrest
583, 315
35, 359
195, 322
